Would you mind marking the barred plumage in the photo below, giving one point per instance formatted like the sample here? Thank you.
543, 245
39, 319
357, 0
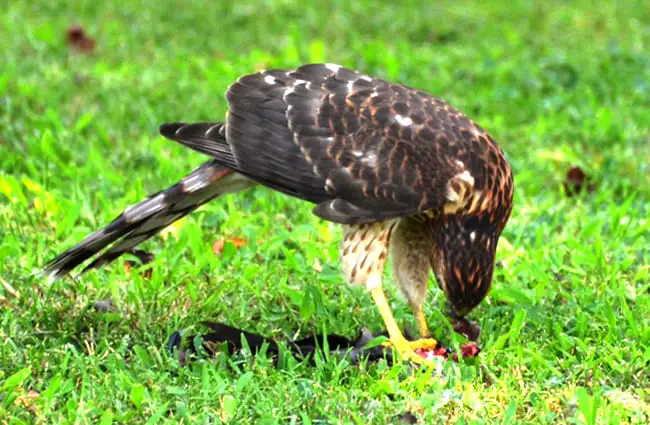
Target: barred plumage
371, 155
148, 217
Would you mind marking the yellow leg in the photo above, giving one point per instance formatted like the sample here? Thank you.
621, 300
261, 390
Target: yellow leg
422, 324
405, 348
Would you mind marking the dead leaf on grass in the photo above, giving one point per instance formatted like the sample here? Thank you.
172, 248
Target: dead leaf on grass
218, 246
77, 39
576, 180
5, 302
27, 401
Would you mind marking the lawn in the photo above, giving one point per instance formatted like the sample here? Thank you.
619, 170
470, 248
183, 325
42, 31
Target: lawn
565, 329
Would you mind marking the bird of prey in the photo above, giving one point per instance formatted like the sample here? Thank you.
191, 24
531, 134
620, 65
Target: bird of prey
402, 171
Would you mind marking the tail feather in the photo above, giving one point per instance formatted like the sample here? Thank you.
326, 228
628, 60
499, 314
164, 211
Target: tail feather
204, 137
148, 217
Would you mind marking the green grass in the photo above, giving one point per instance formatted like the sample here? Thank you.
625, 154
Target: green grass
566, 328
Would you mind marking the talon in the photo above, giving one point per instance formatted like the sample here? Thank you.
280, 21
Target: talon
408, 350
424, 344
404, 347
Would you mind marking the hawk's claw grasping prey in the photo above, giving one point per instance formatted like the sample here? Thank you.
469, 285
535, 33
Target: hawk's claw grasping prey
399, 169
408, 349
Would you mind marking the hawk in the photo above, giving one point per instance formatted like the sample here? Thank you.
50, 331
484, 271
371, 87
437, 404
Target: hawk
402, 171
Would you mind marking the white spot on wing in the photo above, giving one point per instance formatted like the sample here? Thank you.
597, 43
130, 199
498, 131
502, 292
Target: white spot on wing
287, 92
461, 164
366, 78
467, 177
374, 94
333, 67
402, 120
370, 159
329, 186
350, 85
268, 79
472, 236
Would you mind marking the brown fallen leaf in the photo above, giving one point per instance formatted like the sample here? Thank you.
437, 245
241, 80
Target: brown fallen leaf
78, 39
6, 303
218, 246
144, 257
27, 401
575, 181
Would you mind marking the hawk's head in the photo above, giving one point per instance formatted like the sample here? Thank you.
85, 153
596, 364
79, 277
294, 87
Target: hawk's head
463, 258
465, 236
466, 233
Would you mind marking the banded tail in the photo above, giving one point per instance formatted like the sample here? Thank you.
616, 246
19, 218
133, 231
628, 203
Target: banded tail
148, 217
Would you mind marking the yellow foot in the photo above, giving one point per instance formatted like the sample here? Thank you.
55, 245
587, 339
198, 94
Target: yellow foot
407, 349
423, 344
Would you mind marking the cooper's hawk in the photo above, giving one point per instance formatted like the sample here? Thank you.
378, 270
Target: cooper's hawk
400, 170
